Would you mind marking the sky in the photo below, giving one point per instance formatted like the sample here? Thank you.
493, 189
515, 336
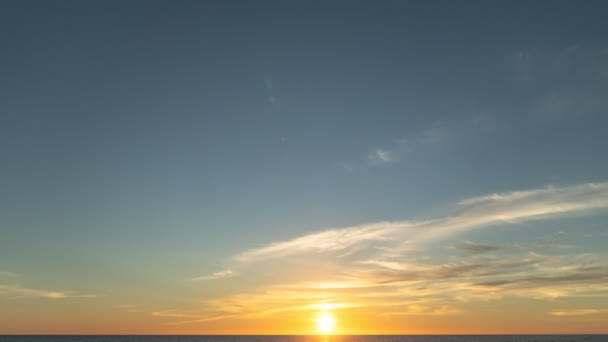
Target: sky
242, 167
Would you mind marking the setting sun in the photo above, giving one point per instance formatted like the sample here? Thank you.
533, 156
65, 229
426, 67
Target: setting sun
325, 323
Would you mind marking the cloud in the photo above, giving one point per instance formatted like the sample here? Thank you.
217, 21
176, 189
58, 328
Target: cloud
20, 291
415, 288
382, 156
406, 271
588, 275
553, 242
483, 211
488, 278
325, 241
578, 312
203, 319
472, 247
506, 196
217, 275
281, 299
398, 149
514, 207
390, 268
424, 310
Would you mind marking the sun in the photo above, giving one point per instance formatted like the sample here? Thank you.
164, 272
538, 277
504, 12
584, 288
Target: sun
325, 323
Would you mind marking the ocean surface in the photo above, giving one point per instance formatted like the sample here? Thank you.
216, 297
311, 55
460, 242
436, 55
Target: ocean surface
313, 338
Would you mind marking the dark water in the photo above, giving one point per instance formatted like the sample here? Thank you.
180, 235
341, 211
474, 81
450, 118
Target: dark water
367, 338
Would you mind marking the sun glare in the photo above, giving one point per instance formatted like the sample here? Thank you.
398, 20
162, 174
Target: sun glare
325, 323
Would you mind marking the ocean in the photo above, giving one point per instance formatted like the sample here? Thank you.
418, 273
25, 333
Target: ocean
311, 338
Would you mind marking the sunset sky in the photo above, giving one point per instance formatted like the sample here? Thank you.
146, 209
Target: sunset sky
266, 167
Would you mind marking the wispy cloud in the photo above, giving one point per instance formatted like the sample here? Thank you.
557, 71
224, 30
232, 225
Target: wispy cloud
483, 211
217, 275
386, 266
424, 310
422, 289
280, 299
513, 207
400, 148
204, 319
507, 196
590, 275
325, 241
554, 242
20, 291
473, 247
382, 156
406, 271
577, 312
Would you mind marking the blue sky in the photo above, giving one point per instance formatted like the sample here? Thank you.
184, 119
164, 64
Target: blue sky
157, 142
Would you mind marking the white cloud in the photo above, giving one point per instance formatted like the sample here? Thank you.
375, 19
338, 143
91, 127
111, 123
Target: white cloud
506, 196
578, 312
512, 207
483, 211
382, 156
20, 291
435, 134
325, 241
217, 275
